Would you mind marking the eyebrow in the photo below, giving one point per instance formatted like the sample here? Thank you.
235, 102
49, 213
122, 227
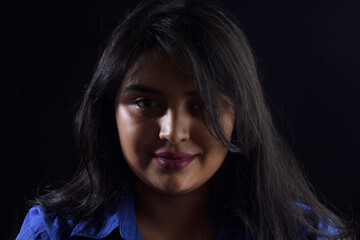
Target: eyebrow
146, 89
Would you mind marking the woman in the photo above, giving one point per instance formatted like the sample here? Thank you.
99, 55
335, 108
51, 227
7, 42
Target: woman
177, 142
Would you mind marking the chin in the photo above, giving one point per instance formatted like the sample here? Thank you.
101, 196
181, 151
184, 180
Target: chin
177, 188
173, 189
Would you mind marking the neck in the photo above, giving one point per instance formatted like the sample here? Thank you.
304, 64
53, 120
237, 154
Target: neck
172, 216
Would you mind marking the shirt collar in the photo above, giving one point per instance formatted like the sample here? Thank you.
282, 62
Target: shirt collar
121, 216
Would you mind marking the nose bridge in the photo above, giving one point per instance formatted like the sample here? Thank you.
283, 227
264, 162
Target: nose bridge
174, 125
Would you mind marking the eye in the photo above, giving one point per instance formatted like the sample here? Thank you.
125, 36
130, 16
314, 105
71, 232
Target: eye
199, 106
145, 103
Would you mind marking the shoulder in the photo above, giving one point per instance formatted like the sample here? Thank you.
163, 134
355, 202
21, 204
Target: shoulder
325, 227
41, 224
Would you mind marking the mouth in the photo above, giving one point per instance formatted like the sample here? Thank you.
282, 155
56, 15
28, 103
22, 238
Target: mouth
174, 161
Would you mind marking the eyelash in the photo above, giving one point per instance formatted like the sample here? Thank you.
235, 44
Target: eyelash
140, 103
198, 106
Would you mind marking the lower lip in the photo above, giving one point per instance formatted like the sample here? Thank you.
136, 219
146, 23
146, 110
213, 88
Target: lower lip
174, 164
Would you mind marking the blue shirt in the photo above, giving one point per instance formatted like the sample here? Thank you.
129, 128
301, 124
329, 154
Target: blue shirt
40, 224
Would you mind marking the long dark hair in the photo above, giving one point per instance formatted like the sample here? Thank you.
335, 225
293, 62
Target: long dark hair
259, 189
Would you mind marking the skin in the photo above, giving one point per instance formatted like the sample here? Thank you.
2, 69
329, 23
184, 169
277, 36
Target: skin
167, 119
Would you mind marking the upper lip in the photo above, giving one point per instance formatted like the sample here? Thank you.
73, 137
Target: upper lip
171, 155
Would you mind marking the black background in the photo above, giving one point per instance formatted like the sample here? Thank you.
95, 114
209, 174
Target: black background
308, 54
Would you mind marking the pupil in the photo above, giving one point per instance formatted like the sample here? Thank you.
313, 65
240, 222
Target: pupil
147, 102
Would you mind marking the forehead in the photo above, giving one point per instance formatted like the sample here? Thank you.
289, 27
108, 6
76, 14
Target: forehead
157, 68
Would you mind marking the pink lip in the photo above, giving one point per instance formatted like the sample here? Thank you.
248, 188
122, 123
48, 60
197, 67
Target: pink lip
173, 161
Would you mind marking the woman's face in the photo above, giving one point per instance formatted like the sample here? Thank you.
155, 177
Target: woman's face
162, 133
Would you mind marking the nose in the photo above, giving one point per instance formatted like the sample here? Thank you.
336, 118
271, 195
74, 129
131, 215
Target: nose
174, 127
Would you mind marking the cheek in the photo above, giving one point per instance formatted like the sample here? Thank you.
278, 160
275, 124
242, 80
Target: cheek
137, 138
214, 152
212, 149
135, 135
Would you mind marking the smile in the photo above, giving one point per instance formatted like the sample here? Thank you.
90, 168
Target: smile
173, 161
